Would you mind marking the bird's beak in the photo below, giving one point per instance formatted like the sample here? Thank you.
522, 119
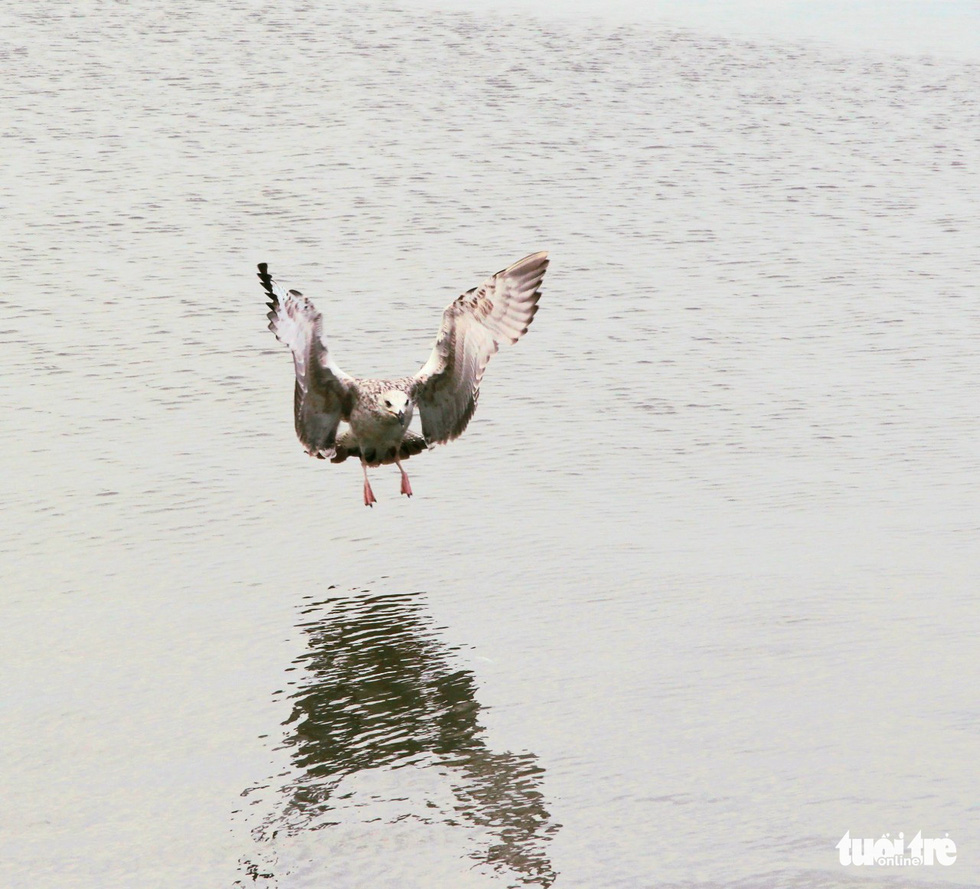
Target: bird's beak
401, 416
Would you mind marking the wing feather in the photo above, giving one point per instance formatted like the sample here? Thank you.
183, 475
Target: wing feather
323, 392
474, 326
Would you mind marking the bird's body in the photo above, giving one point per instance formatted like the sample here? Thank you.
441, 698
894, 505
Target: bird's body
378, 412
379, 433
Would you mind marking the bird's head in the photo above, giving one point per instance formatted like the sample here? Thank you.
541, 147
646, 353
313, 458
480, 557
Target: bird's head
396, 403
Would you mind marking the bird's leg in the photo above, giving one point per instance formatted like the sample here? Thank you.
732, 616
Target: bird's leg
406, 485
368, 493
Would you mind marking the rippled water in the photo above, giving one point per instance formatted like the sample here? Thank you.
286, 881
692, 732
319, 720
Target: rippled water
385, 729
695, 593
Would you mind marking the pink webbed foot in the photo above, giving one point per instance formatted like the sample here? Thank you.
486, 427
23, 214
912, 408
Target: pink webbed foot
368, 493
406, 485
369, 498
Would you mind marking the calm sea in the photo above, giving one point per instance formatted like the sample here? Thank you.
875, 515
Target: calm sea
693, 596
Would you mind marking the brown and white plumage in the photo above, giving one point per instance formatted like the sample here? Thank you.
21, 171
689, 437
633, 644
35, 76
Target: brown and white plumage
473, 328
322, 395
378, 412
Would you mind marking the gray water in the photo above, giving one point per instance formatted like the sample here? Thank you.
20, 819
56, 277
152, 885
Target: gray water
693, 595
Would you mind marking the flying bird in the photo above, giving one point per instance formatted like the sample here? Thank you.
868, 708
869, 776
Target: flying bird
377, 413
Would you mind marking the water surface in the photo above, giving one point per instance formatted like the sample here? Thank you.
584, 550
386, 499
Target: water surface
695, 593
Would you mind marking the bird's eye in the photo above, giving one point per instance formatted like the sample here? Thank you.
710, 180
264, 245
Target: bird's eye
387, 403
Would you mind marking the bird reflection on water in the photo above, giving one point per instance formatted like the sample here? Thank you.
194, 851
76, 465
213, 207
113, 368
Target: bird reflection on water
381, 691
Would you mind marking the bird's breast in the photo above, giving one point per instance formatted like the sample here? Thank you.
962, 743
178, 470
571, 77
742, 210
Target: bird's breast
376, 429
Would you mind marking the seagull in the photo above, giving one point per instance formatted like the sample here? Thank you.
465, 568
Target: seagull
377, 413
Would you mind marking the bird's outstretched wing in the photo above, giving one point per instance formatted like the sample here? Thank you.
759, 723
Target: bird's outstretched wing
474, 326
323, 391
